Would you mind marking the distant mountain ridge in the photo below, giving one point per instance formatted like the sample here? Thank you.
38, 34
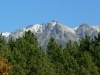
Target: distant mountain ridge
60, 32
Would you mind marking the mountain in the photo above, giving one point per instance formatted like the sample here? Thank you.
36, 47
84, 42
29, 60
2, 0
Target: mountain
85, 29
60, 32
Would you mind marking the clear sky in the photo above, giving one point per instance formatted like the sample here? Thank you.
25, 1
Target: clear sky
15, 14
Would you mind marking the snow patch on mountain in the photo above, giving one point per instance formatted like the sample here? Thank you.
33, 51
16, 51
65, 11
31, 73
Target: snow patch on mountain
96, 28
34, 28
75, 28
68, 29
53, 23
6, 34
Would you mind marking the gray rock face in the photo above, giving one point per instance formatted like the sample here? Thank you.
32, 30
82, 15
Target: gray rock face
60, 32
85, 29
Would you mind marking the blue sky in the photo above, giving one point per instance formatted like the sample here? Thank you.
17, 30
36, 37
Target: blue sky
15, 14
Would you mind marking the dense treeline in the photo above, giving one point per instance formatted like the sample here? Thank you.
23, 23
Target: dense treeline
25, 57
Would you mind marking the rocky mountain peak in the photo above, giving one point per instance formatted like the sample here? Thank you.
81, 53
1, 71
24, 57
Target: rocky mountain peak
53, 23
60, 32
84, 25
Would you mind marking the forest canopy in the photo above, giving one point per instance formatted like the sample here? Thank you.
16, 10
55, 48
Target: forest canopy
23, 56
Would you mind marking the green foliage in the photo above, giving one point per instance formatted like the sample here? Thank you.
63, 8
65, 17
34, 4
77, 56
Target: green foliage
27, 58
85, 43
52, 49
86, 65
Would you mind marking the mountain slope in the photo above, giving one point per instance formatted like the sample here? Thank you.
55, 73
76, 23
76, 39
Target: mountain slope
85, 29
60, 32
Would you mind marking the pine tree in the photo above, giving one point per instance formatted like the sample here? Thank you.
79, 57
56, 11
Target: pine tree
87, 67
71, 66
29, 57
52, 49
84, 44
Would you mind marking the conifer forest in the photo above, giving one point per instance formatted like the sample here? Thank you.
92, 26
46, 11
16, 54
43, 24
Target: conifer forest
23, 56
